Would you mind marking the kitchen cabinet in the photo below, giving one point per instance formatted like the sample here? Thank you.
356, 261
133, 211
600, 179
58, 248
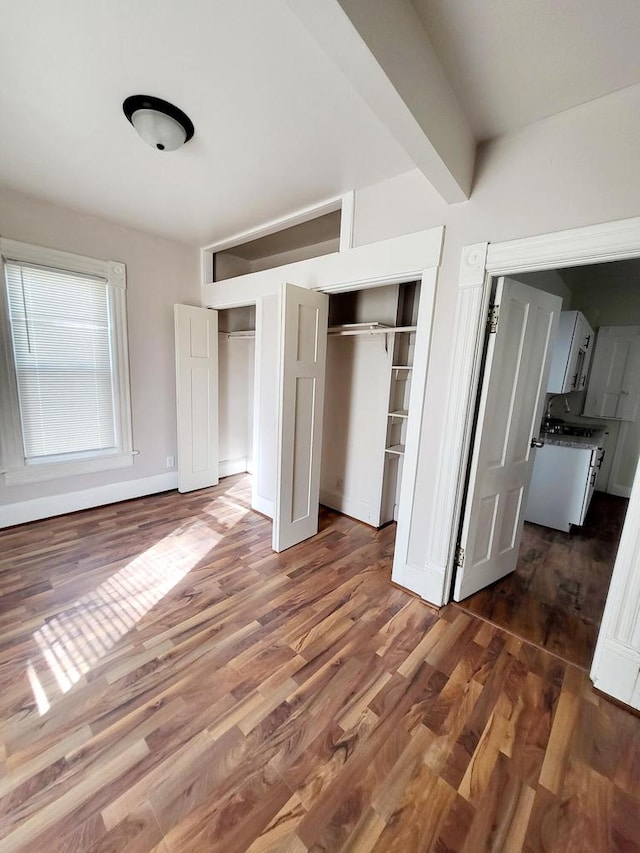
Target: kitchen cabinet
562, 484
614, 386
571, 354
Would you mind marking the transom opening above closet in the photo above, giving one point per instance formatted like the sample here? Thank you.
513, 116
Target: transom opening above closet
310, 239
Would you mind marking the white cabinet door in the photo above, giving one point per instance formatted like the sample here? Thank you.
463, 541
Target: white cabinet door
511, 403
591, 484
558, 490
586, 341
563, 355
614, 386
302, 370
571, 354
196, 336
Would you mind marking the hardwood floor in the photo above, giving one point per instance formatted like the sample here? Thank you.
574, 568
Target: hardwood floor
170, 684
556, 596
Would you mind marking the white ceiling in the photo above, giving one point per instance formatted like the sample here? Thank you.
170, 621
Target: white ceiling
513, 62
277, 127
596, 276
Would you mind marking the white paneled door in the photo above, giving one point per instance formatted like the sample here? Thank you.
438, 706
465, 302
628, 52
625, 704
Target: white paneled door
302, 370
512, 398
614, 386
196, 331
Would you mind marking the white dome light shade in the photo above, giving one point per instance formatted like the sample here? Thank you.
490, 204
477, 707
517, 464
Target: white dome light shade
159, 130
159, 123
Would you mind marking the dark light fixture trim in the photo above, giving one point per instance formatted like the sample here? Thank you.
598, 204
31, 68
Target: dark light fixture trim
134, 103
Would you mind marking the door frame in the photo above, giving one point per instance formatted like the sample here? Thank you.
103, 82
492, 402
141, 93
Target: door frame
618, 648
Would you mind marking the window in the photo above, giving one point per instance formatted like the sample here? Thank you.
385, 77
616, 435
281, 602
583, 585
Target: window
64, 390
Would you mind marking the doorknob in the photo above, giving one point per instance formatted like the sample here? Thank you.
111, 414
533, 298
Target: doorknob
537, 442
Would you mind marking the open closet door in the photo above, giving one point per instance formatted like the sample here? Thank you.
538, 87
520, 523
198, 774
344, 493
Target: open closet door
303, 350
197, 396
514, 384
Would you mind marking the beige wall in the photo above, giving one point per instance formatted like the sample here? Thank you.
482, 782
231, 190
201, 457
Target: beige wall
577, 168
159, 273
610, 304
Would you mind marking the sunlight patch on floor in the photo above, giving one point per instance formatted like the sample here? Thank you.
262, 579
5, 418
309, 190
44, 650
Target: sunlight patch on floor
76, 639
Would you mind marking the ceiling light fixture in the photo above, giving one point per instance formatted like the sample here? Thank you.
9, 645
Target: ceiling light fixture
159, 123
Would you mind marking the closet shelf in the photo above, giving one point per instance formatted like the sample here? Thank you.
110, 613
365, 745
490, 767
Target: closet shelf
398, 449
367, 329
399, 413
402, 367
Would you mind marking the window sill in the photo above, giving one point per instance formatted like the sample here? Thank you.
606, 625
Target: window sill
57, 470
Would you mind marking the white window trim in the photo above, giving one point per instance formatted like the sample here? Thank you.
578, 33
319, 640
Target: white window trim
15, 470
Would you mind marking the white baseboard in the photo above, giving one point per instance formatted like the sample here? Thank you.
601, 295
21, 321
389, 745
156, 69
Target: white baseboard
619, 491
228, 467
360, 510
19, 513
617, 672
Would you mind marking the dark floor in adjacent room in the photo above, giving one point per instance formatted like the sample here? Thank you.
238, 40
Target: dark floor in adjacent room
556, 596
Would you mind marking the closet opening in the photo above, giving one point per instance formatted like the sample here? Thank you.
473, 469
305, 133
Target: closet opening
370, 349
236, 390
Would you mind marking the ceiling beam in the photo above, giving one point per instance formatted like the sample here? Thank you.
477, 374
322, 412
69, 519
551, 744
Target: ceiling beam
382, 49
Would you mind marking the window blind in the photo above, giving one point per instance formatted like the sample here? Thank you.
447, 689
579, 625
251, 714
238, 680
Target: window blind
61, 334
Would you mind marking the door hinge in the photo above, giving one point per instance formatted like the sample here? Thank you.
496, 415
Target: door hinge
459, 557
492, 319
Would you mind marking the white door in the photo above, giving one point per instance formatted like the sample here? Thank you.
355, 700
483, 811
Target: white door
303, 350
511, 402
614, 386
196, 332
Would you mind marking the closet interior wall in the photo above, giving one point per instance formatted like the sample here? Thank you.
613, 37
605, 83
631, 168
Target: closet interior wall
366, 401
236, 365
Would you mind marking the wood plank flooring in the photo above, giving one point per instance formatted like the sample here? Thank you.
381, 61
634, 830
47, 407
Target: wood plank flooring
170, 684
556, 596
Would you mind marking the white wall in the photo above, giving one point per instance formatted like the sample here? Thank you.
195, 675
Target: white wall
235, 403
625, 461
236, 358
228, 265
315, 250
159, 273
577, 168
550, 281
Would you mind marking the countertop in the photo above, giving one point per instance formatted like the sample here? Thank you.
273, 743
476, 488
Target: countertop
578, 442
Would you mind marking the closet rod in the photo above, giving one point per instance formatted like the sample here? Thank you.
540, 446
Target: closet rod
239, 335
374, 330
